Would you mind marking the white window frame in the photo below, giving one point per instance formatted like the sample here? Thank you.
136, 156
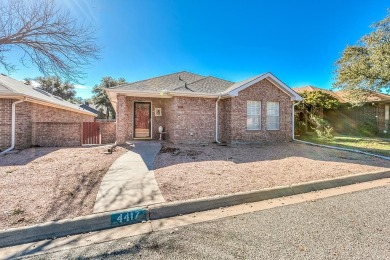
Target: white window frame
272, 114
253, 110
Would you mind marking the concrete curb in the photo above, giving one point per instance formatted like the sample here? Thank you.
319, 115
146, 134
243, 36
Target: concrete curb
107, 220
61, 228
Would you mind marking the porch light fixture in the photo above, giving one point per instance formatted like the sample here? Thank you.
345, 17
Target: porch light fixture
157, 111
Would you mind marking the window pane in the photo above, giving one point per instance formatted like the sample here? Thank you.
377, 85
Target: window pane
272, 115
253, 121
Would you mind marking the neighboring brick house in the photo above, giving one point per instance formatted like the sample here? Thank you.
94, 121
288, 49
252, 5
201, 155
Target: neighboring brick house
195, 109
41, 119
371, 118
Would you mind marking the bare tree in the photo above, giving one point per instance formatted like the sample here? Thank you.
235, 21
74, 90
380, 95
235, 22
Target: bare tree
48, 37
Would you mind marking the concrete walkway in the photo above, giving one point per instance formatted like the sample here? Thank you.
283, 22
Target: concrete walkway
130, 180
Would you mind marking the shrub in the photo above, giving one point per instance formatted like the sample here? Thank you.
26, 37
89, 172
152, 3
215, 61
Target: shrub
321, 127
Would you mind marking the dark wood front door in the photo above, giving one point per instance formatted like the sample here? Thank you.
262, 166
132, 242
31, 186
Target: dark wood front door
142, 120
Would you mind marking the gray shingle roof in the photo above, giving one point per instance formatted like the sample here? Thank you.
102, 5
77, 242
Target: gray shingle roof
5, 90
190, 84
180, 81
18, 87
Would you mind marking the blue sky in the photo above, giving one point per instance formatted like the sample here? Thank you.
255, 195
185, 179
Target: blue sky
298, 41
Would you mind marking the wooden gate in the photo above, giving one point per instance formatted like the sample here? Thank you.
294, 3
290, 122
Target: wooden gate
91, 133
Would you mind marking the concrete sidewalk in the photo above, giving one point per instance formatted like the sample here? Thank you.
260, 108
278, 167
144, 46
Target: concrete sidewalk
130, 181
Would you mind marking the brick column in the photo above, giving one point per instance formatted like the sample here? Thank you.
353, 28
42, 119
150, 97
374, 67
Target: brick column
121, 120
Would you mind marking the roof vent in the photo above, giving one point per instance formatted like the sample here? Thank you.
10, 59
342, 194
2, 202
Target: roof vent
42, 91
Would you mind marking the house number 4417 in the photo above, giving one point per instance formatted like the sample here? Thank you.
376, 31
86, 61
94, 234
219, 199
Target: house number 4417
129, 217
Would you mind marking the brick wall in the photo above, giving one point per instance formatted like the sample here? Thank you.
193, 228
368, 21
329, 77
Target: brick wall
28, 113
361, 120
123, 120
5, 123
108, 132
56, 134
40, 113
23, 125
192, 120
236, 112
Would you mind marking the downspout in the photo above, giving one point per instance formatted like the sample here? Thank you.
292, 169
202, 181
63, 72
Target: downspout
13, 127
216, 120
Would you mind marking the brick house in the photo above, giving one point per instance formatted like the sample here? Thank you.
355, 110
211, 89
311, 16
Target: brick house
369, 119
194, 109
40, 119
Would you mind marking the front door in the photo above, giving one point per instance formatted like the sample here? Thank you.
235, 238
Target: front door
142, 119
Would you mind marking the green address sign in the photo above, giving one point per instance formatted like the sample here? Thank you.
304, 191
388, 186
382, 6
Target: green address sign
129, 217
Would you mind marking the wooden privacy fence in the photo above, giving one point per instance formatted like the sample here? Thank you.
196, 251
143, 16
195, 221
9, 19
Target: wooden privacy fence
91, 133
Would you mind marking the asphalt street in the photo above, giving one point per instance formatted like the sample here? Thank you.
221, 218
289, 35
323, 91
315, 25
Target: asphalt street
350, 226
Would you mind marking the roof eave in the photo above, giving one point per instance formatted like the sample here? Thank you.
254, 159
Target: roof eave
11, 95
52, 104
44, 102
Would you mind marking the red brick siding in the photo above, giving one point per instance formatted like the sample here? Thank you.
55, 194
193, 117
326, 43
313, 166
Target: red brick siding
262, 91
225, 120
28, 113
42, 113
5, 123
192, 115
123, 120
108, 132
23, 125
56, 134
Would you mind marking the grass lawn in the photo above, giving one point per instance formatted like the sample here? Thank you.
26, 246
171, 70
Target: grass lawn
379, 146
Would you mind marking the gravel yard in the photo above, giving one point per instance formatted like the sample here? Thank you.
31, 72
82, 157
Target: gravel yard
194, 171
43, 184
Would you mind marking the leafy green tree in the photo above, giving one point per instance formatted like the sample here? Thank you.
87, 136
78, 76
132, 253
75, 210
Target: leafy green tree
100, 97
55, 86
365, 66
313, 104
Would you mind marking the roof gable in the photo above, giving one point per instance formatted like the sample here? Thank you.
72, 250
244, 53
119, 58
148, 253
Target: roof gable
239, 86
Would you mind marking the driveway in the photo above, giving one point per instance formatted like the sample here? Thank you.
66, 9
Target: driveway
130, 181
